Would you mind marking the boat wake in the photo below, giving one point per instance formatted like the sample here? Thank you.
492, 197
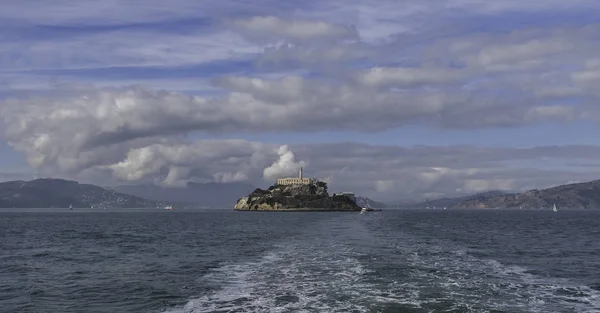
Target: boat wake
330, 269
314, 273
446, 277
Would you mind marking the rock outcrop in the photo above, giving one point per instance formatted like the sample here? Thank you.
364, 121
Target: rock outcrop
311, 197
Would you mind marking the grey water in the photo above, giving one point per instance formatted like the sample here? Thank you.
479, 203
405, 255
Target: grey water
154, 261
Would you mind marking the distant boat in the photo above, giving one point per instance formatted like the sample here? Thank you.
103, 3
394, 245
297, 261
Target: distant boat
71, 207
169, 208
554, 208
444, 208
363, 211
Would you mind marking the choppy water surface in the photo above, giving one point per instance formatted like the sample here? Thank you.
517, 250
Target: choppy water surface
224, 261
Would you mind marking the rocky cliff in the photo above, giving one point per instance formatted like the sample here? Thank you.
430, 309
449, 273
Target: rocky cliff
572, 196
311, 197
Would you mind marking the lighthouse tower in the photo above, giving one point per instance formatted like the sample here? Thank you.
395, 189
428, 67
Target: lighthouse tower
300, 173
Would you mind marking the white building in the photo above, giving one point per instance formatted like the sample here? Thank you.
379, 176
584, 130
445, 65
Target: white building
300, 180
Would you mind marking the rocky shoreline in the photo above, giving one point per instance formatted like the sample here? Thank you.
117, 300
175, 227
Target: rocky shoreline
311, 197
299, 210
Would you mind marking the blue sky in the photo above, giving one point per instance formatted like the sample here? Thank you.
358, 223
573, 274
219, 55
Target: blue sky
145, 91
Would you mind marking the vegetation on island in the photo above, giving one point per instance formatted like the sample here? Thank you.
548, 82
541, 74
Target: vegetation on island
301, 197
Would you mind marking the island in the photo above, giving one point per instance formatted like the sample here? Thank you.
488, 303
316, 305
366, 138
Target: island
299, 194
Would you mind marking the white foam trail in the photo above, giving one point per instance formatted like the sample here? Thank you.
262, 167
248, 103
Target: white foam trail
312, 273
327, 270
291, 279
477, 285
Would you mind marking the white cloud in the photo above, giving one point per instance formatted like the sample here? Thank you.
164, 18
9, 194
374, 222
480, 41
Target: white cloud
551, 111
362, 66
178, 163
408, 77
285, 165
495, 7
109, 115
381, 172
123, 48
384, 185
323, 55
271, 28
228, 177
532, 49
480, 185
469, 169
117, 12
94, 118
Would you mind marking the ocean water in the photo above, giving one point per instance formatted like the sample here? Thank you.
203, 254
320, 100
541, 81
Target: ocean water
224, 261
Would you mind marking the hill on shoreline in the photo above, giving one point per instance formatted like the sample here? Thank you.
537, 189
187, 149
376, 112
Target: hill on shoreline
61, 193
212, 195
570, 196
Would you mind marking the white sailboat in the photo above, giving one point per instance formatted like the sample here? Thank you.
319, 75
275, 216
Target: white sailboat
71, 207
554, 208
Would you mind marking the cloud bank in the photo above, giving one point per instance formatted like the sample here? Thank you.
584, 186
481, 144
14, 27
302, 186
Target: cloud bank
178, 92
285, 165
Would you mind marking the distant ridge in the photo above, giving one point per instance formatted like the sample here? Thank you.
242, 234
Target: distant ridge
60, 193
214, 195
571, 196
365, 202
451, 202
